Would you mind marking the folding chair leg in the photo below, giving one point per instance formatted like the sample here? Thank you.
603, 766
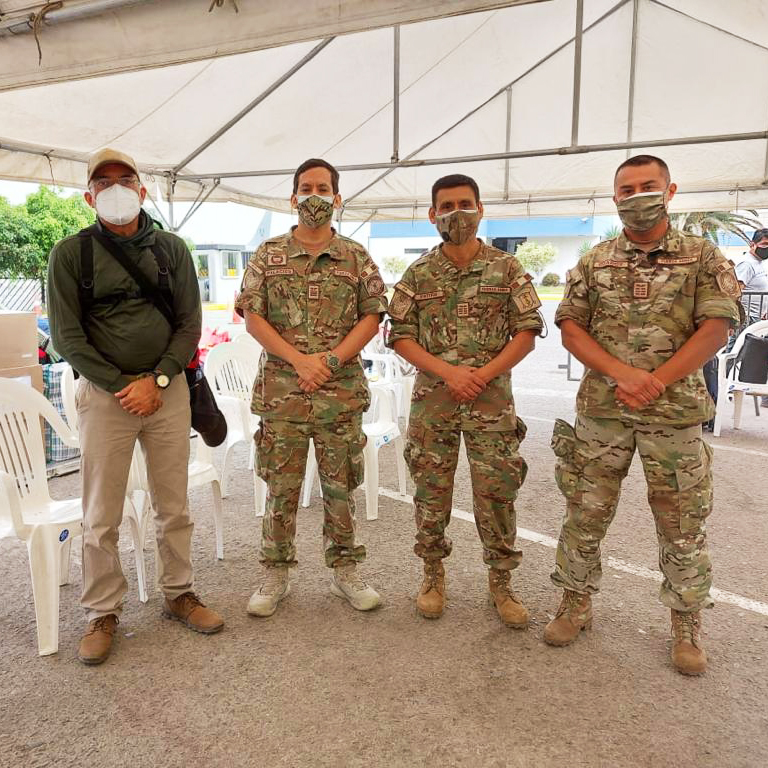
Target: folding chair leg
755, 400
371, 458
738, 402
138, 554
44, 550
309, 478
224, 481
218, 519
64, 556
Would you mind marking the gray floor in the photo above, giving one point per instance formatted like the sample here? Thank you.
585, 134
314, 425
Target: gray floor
321, 685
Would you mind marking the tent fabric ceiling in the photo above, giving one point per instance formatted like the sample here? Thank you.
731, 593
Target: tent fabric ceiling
487, 93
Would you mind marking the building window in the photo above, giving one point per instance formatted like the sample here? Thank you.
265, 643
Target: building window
245, 257
230, 264
201, 260
508, 244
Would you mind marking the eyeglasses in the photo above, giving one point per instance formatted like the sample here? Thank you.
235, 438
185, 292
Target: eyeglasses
124, 181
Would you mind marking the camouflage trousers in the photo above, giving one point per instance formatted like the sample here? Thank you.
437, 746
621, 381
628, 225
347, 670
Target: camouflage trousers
282, 448
497, 472
592, 460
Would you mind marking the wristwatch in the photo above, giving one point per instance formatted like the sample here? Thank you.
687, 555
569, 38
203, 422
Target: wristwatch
162, 380
332, 362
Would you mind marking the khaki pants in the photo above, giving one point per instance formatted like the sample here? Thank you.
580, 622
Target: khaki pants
107, 437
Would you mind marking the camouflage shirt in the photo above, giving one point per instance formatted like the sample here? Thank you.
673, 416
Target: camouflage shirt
313, 303
465, 317
641, 309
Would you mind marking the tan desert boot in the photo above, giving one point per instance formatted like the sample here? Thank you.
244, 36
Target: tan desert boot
97, 641
573, 615
188, 609
431, 598
511, 610
688, 656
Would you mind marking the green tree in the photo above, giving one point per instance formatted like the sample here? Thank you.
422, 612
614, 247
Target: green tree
710, 223
28, 231
394, 265
535, 257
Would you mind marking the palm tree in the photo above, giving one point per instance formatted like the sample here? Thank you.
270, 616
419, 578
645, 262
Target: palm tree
709, 223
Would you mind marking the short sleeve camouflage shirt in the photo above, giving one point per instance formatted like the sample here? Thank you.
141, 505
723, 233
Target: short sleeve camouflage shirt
641, 308
313, 303
465, 317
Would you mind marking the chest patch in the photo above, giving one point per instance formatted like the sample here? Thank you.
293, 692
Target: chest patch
344, 273
462, 309
429, 295
621, 263
281, 271
313, 291
640, 289
495, 289
277, 260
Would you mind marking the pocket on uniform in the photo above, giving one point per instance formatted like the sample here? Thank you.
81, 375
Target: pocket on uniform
694, 488
337, 301
521, 429
667, 291
414, 448
564, 446
264, 444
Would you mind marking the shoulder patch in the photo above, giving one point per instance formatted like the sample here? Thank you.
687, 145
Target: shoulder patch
728, 283
403, 288
400, 305
526, 299
374, 284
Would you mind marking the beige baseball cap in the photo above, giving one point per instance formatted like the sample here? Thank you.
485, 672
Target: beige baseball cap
105, 157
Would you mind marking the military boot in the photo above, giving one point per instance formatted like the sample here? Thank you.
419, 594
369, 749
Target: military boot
274, 587
511, 610
348, 584
431, 598
687, 654
573, 615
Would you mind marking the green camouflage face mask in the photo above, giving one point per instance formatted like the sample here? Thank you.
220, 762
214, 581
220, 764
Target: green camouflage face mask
643, 211
314, 210
457, 227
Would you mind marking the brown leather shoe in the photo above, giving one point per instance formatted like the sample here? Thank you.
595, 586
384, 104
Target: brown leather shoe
97, 641
510, 608
688, 656
573, 615
431, 598
189, 610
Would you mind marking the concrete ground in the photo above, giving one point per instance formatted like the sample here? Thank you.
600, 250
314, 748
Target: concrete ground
319, 684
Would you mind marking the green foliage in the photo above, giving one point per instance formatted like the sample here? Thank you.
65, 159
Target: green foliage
551, 279
611, 232
535, 257
394, 265
28, 231
709, 223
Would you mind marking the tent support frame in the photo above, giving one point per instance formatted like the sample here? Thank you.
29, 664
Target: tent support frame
632, 70
255, 103
497, 156
577, 72
396, 96
508, 142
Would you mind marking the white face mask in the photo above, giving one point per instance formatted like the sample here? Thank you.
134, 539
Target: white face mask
118, 205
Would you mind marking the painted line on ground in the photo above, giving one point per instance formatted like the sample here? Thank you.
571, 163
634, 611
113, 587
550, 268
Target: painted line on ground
612, 562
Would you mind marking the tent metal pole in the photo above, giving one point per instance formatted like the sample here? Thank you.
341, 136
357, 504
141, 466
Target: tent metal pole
498, 93
396, 96
157, 209
632, 71
170, 185
579, 149
577, 72
507, 142
195, 207
255, 103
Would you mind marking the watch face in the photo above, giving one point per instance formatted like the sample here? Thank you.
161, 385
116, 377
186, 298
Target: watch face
162, 380
333, 362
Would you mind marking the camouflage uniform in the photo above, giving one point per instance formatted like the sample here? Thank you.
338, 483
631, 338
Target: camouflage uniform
313, 304
642, 310
465, 316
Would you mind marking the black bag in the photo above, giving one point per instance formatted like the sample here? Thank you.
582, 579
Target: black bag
207, 419
753, 359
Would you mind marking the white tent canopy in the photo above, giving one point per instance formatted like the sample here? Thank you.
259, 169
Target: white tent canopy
539, 101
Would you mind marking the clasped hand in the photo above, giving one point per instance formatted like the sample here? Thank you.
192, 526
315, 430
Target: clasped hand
464, 383
140, 397
312, 371
637, 388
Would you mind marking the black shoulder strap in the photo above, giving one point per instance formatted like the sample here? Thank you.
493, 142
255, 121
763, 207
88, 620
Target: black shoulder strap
152, 293
85, 289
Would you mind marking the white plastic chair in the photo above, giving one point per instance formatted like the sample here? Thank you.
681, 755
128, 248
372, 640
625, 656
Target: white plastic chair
390, 368
729, 383
380, 431
231, 369
26, 508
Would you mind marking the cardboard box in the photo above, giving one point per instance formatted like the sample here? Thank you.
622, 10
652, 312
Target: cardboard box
18, 339
30, 374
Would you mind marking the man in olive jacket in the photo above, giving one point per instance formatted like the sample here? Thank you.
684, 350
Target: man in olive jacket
131, 362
